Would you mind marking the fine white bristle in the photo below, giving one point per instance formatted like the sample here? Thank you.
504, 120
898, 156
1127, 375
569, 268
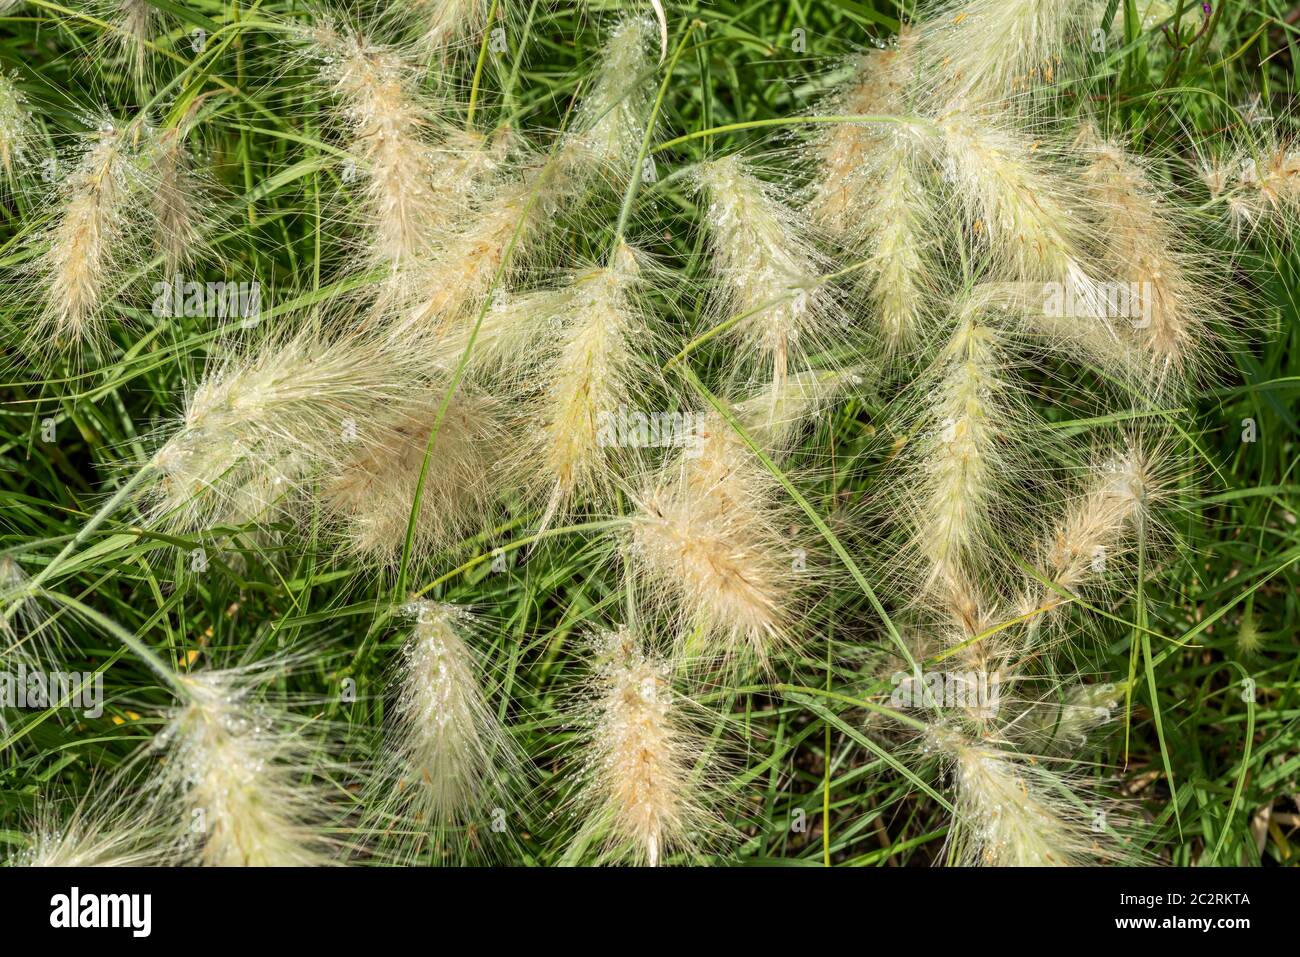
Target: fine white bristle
448, 750
235, 765
641, 797
87, 241
963, 461
769, 276
370, 493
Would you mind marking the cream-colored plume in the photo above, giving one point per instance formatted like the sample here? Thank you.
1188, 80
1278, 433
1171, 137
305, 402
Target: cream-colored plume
235, 767
593, 375
642, 798
770, 279
88, 241
987, 50
448, 750
370, 493
268, 418
1167, 310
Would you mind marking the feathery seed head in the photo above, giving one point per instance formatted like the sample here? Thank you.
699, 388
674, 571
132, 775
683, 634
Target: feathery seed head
962, 466
136, 24
870, 195
370, 493
445, 22
236, 765
769, 275
110, 832
712, 542
449, 750
985, 50
1020, 201
1259, 183
1062, 723
1146, 249
849, 154
640, 793
407, 186
89, 239
15, 126
492, 248
1015, 813
272, 416
611, 120
1249, 637
1125, 487
593, 371
178, 195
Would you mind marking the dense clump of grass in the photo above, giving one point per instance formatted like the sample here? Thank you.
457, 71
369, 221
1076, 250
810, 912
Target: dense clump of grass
615, 425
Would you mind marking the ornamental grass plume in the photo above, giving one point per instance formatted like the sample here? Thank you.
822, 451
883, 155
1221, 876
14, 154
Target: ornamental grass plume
89, 241
847, 154
770, 279
1025, 207
235, 776
963, 464
495, 246
447, 752
390, 136
1145, 246
16, 130
1018, 198
1258, 182
595, 369
897, 227
283, 409
136, 23
503, 354
1062, 723
1017, 802
102, 829
610, 124
368, 496
987, 50
1114, 509
442, 23
505, 232
643, 794
711, 541
1013, 811
182, 212
870, 196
